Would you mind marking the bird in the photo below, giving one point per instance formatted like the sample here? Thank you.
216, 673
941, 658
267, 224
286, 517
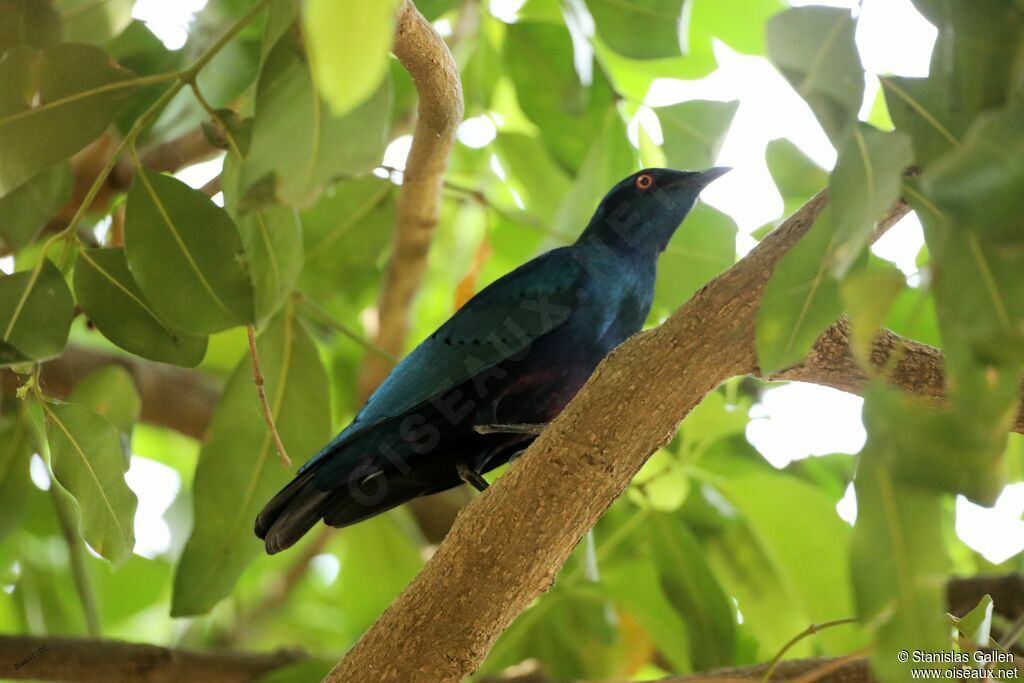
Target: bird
477, 391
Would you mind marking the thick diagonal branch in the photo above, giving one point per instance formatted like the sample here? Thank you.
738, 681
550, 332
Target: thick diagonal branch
99, 661
430, 63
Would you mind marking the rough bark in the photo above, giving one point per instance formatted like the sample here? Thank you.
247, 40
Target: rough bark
430, 63
101, 661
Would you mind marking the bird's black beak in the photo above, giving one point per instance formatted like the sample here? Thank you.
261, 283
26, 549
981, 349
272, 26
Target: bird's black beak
705, 178
699, 181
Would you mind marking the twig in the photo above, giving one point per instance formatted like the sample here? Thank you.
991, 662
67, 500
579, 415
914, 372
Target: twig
831, 666
68, 520
809, 631
268, 417
436, 76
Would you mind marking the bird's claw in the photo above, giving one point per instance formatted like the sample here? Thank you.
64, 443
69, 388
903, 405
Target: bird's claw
527, 428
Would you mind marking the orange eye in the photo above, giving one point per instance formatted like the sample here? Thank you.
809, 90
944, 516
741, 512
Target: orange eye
644, 181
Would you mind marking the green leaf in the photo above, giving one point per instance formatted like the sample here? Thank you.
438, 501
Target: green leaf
796, 176
86, 459
569, 115
694, 131
976, 625
89, 21
25, 211
980, 184
640, 29
346, 234
814, 49
273, 247
867, 297
297, 145
920, 108
110, 297
34, 23
35, 314
610, 158
348, 45
176, 235
702, 247
238, 470
898, 559
864, 185
799, 302
15, 485
541, 183
53, 102
110, 393
721, 19
694, 592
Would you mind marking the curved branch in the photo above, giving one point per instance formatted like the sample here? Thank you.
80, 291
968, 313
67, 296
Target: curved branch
506, 548
98, 661
430, 63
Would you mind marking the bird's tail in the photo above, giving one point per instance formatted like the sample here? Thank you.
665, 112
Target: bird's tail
292, 512
302, 503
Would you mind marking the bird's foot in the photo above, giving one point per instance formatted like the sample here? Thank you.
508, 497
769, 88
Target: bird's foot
471, 477
534, 429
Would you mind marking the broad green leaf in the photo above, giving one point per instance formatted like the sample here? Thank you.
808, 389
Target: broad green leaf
796, 176
25, 211
805, 543
610, 158
981, 183
238, 469
976, 625
346, 233
632, 78
920, 108
86, 459
867, 297
640, 29
569, 115
110, 393
35, 314
15, 485
738, 23
273, 248
814, 49
89, 21
800, 300
297, 144
694, 592
348, 45
864, 185
34, 23
702, 247
898, 560
281, 15
635, 585
53, 102
540, 182
694, 131
186, 255
110, 297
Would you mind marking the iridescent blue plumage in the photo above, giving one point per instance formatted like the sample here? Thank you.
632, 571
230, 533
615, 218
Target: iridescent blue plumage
515, 353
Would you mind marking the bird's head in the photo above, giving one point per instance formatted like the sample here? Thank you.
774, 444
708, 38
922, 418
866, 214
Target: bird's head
641, 212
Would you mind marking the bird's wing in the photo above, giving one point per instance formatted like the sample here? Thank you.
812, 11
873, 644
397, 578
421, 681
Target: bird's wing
498, 323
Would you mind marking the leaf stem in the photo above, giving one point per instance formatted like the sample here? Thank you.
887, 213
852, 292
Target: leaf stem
68, 519
268, 417
809, 631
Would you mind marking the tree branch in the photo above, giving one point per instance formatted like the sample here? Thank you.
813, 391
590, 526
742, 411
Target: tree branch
99, 661
506, 548
175, 398
430, 63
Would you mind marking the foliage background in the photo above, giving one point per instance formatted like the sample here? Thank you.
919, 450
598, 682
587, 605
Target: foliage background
714, 557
